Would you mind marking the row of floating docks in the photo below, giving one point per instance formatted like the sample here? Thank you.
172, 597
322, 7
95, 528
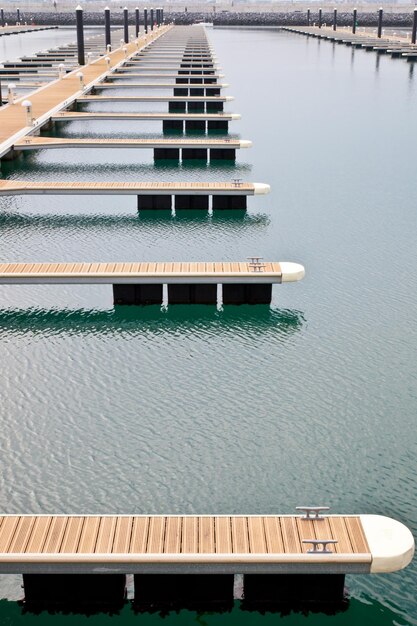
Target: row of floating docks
195, 103
82, 562
392, 45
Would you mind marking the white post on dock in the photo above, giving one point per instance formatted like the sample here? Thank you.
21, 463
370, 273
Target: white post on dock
10, 92
29, 116
80, 76
108, 61
61, 68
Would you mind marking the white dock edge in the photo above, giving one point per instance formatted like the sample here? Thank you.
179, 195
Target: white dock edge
291, 272
261, 189
245, 143
390, 542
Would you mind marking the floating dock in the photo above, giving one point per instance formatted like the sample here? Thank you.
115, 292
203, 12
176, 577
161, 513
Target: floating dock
142, 283
192, 559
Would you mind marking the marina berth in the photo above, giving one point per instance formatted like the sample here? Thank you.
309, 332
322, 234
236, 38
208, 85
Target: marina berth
216, 149
247, 282
283, 558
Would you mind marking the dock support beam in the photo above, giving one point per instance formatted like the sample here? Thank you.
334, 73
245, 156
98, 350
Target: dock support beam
107, 30
137, 294
247, 293
293, 590
380, 15
74, 591
195, 125
192, 202
201, 592
152, 202
229, 202
80, 35
218, 125
194, 153
355, 16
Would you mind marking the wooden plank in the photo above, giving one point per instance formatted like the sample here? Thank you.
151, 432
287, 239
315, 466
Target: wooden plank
7, 531
156, 535
273, 535
105, 536
173, 535
356, 534
290, 536
206, 535
122, 535
89, 535
55, 535
340, 532
139, 535
22, 534
257, 539
39, 534
223, 535
190, 535
240, 537
72, 535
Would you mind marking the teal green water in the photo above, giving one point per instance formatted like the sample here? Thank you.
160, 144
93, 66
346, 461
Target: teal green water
246, 409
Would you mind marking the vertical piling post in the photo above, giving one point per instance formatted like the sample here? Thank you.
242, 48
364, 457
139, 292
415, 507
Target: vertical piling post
414, 33
145, 20
2, 16
1, 95
355, 16
308, 17
151, 19
380, 14
136, 22
126, 24
18, 15
107, 31
320, 17
334, 19
162, 15
80, 35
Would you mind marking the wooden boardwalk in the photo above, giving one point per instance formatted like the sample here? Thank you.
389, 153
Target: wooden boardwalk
218, 99
67, 116
58, 94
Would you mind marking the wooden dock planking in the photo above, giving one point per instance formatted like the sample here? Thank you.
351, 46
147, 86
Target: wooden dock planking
13, 187
55, 94
75, 116
42, 143
37, 537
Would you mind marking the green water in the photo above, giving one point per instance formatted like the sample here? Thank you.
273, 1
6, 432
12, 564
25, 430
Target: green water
246, 409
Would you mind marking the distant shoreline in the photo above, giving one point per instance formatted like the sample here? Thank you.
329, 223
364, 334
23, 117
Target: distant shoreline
290, 18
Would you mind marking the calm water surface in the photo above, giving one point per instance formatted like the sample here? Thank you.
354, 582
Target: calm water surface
246, 409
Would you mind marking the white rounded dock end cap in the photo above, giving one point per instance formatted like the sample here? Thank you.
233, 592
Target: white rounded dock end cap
245, 143
26, 103
229, 98
11, 86
225, 85
79, 8
261, 189
390, 542
235, 116
291, 272
221, 75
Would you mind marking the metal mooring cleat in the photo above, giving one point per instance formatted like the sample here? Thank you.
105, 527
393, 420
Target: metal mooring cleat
312, 512
320, 545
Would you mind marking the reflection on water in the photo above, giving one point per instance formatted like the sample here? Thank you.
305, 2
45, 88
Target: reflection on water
128, 320
361, 612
